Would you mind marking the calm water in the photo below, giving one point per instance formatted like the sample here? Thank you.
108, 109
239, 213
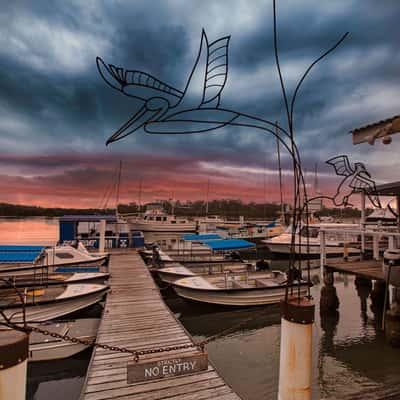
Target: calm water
350, 358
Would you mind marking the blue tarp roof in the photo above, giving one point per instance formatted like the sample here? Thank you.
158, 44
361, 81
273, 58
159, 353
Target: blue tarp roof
19, 254
22, 257
207, 236
15, 248
228, 244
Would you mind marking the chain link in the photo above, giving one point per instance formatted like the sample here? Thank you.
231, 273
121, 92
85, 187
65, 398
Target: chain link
136, 353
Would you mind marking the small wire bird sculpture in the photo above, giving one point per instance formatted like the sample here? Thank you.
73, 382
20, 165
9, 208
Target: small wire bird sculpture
356, 179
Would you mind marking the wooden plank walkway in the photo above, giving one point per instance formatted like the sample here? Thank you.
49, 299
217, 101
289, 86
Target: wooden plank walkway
136, 317
371, 269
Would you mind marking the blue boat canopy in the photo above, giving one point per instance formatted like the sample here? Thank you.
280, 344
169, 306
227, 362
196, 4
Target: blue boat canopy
207, 236
20, 249
20, 254
228, 244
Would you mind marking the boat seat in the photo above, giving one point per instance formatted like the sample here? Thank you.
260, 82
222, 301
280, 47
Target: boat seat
239, 285
266, 282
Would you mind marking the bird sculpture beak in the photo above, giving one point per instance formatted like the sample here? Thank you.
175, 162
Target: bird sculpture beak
133, 124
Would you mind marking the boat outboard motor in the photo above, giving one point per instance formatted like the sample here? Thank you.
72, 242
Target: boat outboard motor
236, 256
391, 266
262, 265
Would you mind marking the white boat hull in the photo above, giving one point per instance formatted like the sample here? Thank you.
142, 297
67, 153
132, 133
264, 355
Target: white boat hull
313, 249
162, 227
44, 348
55, 309
55, 352
240, 297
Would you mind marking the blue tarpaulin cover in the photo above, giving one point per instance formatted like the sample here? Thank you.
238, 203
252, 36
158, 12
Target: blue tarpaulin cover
207, 236
228, 244
15, 248
19, 254
22, 257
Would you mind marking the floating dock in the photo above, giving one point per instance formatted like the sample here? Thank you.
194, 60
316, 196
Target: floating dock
371, 269
136, 317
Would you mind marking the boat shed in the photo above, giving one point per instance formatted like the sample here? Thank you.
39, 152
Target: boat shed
69, 224
117, 234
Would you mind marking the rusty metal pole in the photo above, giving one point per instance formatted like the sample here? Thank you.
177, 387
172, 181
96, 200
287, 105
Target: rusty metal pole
296, 349
14, 350
102, 238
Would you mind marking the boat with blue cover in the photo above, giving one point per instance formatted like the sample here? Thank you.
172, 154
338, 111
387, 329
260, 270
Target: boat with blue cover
69, 258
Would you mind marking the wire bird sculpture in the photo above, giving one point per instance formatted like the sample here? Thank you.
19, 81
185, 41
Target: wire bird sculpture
168, 110
356, 179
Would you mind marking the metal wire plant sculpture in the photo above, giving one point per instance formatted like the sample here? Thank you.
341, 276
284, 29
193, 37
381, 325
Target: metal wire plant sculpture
167, 110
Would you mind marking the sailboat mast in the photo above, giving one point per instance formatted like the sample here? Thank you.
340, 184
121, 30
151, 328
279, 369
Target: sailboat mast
140, 194
280, 173
208, 190
118, 186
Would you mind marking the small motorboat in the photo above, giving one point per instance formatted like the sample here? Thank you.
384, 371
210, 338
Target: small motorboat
237, 289
44, 347
44, 304
41, 278
56, 258
172, 273
307, 241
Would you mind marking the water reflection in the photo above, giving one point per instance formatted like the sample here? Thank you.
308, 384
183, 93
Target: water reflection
208, 320
46, 378
32, 231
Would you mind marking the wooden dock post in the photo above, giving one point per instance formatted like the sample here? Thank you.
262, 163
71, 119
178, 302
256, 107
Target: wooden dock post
14, 350
296, 349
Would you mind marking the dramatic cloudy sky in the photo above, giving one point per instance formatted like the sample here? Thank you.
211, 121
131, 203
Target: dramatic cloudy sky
56, 112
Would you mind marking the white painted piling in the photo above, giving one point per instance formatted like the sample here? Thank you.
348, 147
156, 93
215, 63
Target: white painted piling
14, 347
102, 232
296, 349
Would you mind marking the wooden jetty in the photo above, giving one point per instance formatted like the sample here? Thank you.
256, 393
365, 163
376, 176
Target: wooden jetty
136, 317
371, 269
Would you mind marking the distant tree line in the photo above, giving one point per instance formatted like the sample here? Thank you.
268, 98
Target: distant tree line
228, 208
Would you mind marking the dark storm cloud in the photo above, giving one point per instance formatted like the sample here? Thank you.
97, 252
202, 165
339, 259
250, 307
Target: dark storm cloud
52, 100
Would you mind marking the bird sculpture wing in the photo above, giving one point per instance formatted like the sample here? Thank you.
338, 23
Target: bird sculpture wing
342, 165
363, 183
217, 70
210, 70
137, 84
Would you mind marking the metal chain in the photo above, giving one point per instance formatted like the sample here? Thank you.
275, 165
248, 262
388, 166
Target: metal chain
136, 353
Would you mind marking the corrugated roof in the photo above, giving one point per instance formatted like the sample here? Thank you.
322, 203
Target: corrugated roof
384, 121
387, 189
